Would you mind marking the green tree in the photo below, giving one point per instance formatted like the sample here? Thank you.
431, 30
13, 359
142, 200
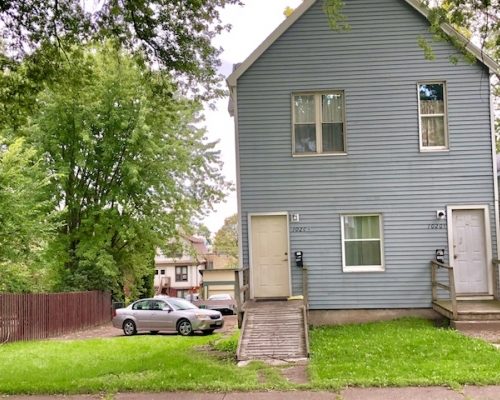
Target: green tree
176, 35
203, 231
129, 167
25, 220
226, 238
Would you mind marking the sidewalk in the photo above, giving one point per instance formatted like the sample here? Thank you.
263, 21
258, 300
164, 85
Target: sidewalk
411, 393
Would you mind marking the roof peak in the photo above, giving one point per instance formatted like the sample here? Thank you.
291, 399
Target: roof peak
306, 4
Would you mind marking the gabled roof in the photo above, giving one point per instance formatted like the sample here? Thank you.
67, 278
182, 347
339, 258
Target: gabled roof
306, 4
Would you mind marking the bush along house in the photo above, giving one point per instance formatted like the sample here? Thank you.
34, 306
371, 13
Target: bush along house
372, 161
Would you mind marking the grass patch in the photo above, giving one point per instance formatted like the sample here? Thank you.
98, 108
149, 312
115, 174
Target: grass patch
404, 352
139, 363
228, 344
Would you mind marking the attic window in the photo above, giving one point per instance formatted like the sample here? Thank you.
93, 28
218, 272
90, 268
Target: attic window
318, 123
432, 116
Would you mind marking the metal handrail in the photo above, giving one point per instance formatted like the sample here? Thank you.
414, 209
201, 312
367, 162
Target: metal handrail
435, 266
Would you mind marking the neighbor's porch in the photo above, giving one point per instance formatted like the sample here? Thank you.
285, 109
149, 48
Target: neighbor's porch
462, 310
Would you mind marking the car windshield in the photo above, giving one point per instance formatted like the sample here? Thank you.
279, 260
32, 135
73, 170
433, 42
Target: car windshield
180, 304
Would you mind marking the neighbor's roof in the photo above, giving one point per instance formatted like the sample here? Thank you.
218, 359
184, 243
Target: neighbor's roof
198, 245
306, 4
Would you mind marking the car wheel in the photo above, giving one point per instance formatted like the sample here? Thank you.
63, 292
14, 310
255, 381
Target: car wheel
208, 331
129, 328
154, 332
184, 327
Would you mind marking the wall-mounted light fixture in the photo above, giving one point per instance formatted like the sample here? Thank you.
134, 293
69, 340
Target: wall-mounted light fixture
294, 217
440, 214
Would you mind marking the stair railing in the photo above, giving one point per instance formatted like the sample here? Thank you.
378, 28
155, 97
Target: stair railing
435, 267
241, 290
496, 277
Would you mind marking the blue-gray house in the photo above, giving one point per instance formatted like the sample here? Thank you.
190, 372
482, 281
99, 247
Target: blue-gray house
355, 150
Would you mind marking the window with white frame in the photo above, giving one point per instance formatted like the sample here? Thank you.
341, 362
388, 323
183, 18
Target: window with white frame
362, 243
432, 116
318, 123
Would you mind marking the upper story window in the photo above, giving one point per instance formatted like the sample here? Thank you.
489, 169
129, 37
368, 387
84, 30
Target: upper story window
181, 274
432, 116
318, 123
362, 247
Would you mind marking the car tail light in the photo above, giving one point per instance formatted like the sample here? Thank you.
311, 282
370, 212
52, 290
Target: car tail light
114, 312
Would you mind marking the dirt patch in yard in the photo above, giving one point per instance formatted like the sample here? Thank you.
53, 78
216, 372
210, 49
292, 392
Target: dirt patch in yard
492, 336
296, 373
108, 331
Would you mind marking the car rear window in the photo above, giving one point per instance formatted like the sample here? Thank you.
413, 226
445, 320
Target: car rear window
141, 305
180, 304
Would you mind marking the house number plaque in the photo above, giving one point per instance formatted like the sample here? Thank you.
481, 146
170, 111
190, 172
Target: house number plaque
437, 226
301, 229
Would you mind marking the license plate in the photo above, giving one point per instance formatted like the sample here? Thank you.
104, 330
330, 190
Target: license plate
218, 323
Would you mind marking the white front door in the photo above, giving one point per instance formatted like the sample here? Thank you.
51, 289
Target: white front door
469, 252
270, 268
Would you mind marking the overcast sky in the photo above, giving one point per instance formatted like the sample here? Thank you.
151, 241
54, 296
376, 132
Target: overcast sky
252, 23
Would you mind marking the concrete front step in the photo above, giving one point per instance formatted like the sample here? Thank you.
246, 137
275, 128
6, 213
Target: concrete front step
478, 325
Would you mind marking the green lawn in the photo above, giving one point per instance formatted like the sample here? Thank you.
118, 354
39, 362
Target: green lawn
396, 353
399, 353
139, 363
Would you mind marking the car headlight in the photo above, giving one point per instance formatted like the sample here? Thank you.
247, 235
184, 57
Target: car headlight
202, 316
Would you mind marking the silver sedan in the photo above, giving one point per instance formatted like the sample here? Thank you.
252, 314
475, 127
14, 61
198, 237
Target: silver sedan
166, 314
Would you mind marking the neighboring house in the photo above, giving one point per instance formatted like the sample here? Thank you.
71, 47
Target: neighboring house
354, 149
219, 275
180, 275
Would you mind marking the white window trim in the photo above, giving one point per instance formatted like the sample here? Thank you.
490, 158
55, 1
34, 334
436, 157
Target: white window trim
363, 268
318, 120
446, 147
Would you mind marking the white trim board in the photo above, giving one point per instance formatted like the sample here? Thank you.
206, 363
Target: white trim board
306, 4
487, 232
249, 236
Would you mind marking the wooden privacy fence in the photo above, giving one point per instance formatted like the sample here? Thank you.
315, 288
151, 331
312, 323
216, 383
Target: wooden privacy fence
39, 316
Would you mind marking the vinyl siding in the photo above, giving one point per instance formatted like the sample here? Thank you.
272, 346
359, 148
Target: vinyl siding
377, 64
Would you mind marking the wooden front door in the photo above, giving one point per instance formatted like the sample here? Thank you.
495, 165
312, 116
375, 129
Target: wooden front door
270, 267
470, 252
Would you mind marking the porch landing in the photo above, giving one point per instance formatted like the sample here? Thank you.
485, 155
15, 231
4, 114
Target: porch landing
469, 310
